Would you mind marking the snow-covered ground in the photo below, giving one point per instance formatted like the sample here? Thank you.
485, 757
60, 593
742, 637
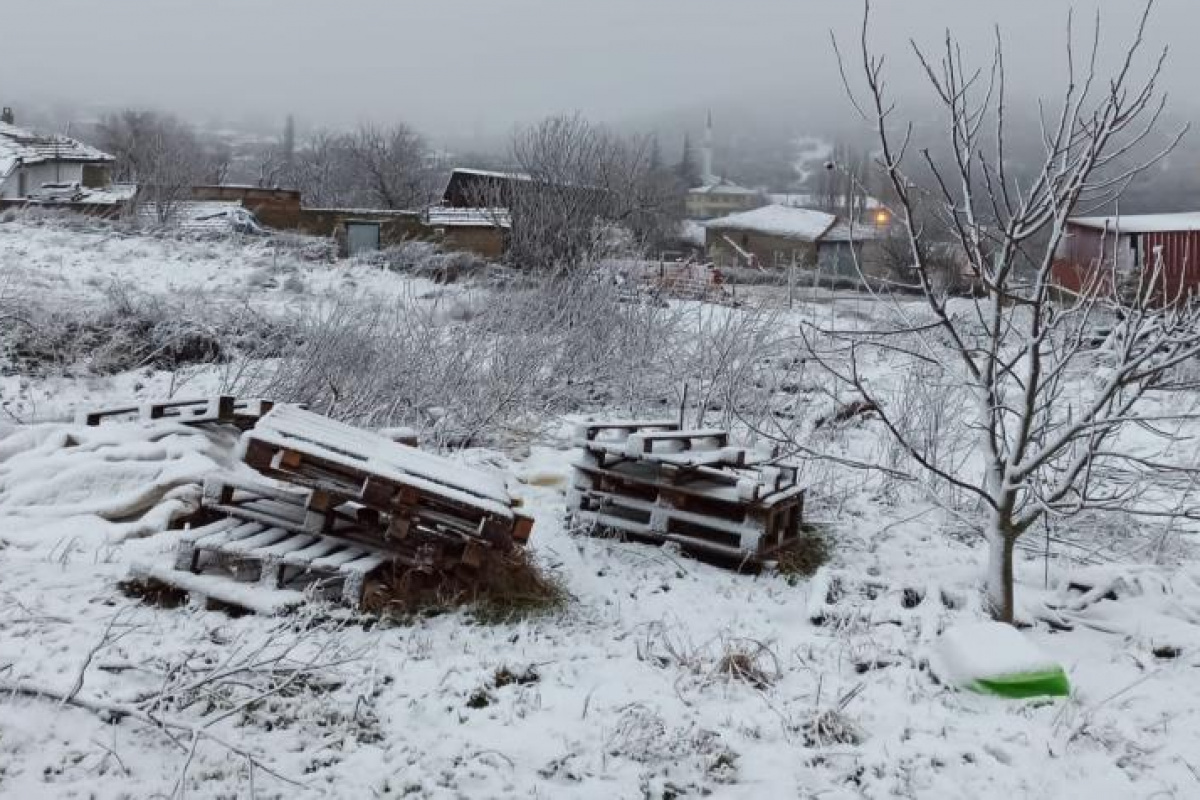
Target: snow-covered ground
624, 693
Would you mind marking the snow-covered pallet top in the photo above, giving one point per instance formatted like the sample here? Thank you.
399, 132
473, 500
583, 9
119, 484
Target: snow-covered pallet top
295, 429
714, 467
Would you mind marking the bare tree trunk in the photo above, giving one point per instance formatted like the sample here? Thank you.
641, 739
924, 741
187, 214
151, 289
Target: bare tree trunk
999, 587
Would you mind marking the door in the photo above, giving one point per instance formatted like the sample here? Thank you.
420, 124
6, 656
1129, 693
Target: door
361, 237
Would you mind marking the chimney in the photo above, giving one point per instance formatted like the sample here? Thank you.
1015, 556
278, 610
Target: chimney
7, 116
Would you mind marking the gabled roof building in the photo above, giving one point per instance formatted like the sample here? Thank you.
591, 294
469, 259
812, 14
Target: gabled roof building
30, 161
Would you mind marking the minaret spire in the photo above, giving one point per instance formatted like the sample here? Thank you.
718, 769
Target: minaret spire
706, 152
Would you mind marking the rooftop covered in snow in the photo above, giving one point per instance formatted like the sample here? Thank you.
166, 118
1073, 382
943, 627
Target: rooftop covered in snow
723, 186
23, 146
775, 220
446, 217
1142, 223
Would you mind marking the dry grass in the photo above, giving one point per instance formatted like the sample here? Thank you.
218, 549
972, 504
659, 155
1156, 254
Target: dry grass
505, 588
806, 555
748, 661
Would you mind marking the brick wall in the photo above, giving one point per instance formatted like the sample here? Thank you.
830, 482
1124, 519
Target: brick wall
275, 208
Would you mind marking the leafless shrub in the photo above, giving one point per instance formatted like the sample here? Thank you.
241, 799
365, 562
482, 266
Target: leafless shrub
131, 329
211, 692
523, 353
832, 726
725, 658
748, 661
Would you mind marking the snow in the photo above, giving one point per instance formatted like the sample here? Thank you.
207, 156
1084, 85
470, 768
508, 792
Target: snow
776, 220
292, 427
722, 186
692, 232
973, 651
630, 698
28, 147
1142, 223
443, 217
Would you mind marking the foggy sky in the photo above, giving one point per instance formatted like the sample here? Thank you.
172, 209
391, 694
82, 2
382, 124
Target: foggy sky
456, 68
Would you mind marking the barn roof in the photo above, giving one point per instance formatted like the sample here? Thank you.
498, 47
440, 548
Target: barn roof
789, 223
1142, 223
23, 146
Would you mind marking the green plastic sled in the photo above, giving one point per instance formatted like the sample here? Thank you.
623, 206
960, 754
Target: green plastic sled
1048, 683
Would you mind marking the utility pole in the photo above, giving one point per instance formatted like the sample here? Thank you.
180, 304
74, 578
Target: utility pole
791, 279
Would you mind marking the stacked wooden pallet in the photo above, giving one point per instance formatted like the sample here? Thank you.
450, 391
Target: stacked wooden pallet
225, 408
653, 481
331, 506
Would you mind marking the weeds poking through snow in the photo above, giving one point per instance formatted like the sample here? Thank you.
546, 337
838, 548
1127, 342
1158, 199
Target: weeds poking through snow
833, 726
749, 661
805, 556
726, 659
506, 588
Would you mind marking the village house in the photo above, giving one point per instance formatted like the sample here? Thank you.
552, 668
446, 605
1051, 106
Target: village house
52, 169
721, 198
781, 237
717, 196
1158, 253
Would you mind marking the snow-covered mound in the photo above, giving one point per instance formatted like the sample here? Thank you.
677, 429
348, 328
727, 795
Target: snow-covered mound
100, 484
995, 658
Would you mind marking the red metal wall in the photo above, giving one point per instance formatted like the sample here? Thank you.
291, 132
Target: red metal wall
1181, 261
1079, 260
1087, 256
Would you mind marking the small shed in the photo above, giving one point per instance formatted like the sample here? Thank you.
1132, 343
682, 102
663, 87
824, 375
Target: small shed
853, 250
1111, 255
771, 236
483, 231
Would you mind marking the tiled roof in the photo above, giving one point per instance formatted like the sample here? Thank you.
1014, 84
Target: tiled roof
23, 146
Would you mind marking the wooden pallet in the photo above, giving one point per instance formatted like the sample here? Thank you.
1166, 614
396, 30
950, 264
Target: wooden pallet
225, 408
275, 558
310, 512
666, 443
412, 488
591, 431
659, 483
756, 536
732, 486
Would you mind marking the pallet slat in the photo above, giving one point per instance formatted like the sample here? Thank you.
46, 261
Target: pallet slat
689, 487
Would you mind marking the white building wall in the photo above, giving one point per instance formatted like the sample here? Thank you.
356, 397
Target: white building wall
37, 174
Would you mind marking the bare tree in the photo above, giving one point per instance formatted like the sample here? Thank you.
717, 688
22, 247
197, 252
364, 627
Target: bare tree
393, 166
163, 155
1051, 420
575, 182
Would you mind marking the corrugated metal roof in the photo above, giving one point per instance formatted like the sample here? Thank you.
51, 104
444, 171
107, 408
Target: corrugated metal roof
1142, 223
447, 217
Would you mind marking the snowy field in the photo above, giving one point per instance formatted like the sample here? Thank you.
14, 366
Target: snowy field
625, 693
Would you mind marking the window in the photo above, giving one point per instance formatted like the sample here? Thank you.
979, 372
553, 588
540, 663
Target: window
22, 181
